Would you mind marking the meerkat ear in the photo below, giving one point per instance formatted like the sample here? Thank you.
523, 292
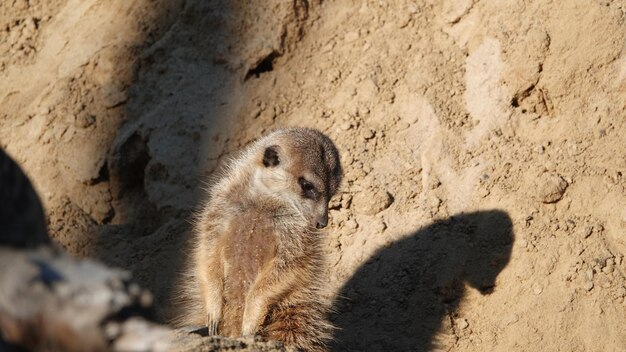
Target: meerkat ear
270, 157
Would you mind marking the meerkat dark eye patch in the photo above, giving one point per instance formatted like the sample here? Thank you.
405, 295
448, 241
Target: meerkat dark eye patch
307, 188
270, 157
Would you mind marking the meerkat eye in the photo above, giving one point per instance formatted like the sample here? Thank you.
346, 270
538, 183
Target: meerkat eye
307, 188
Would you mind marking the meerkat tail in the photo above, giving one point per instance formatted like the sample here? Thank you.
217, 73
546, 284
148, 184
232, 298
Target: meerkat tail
304, 326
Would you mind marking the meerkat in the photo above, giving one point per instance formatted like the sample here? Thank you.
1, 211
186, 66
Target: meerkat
257, 262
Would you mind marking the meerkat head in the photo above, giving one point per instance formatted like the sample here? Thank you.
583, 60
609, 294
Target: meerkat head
300, 166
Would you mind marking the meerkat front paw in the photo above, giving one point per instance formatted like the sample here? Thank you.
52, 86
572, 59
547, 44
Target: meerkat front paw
212, 324
248, 330
253, 315
249, 337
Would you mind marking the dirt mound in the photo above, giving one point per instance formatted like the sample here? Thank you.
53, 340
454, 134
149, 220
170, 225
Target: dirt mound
484, 145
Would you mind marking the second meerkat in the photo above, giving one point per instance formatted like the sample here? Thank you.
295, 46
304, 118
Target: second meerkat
257, 258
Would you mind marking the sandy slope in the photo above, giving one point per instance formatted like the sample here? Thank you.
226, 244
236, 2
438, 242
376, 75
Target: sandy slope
484, 144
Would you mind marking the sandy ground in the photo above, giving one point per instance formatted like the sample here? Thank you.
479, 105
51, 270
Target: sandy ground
483, 142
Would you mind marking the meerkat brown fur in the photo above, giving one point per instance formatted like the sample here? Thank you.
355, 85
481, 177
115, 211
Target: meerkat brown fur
257, 262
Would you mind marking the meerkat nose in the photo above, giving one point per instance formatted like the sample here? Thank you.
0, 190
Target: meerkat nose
322, 222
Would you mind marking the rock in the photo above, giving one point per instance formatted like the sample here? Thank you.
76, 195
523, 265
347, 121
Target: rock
435, 202
589, 275
346, 201
137, 334
550, 188
351, 224
604, 281
537, 289
462, 323
187, 339
372, 202
379, 226
453, 11
588, 285
50, 299
84, 120
511, 319
587, 231
367, 134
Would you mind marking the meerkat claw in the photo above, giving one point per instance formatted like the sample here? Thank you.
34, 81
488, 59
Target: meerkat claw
212, 326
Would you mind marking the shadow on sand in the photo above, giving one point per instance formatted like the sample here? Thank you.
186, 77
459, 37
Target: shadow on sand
399, 298
158, 159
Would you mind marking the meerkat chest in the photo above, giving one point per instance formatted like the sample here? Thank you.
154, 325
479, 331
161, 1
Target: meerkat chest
251, 246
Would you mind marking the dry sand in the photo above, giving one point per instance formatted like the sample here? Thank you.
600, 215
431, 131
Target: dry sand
484, 145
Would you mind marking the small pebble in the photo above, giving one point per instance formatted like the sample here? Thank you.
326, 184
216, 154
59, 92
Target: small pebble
537, 289
550, 188
351, 224
44, 110
462, 323
367, 134
435, 202
511, 319
373, 202
379, 227
588, 285
404, 20
84, 120
604, 281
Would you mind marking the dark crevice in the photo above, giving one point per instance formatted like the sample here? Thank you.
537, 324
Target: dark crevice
519, 97
134, 159
103, 175
265, 65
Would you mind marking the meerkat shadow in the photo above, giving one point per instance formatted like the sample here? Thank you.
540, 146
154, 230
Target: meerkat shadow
404, 297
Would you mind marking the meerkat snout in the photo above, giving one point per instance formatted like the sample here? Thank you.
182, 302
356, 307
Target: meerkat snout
322, 221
